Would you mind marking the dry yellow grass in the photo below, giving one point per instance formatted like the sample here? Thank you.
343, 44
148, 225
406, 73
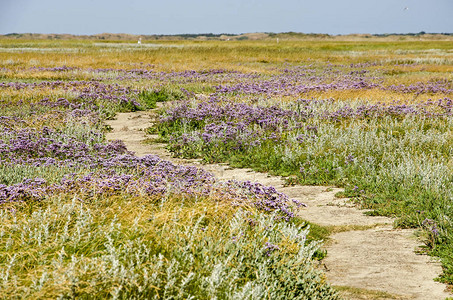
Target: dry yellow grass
374, 96
237, 55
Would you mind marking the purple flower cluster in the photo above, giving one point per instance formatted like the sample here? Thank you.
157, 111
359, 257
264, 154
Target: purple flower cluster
189, 76
216, 109
55, 69
269, 248
223, 125
152, 177
269, 199
439, 87
439, 108
29, 189
89, 91
431, 225
237, 125
290, 81
293, 87
47, 146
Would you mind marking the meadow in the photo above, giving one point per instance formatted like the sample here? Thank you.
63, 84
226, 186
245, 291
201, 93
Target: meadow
82, 217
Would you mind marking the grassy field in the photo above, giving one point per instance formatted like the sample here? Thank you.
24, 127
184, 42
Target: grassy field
374, 117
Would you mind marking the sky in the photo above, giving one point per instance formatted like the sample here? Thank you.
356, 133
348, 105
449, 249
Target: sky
225, 16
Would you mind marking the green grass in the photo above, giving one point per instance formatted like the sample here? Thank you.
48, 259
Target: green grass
150, 98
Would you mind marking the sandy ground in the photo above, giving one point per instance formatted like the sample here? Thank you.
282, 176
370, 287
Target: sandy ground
367, 258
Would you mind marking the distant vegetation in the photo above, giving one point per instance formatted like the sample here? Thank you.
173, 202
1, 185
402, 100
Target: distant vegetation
221, 36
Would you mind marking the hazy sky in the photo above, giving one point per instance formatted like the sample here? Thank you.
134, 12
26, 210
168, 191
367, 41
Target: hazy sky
225, 16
